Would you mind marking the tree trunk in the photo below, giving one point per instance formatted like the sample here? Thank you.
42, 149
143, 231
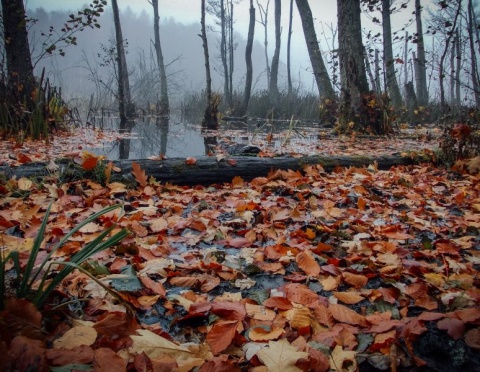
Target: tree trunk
320, 72
164, 101
473, 71
248, 60
207, 170
391, 81
210, 119
441, 67
457, 72
223, 51
273, 88
378, 83
405, 59
289, 47
420, 61
231, 54
124, 97
20, 79
264, 22
369, 72
352, 66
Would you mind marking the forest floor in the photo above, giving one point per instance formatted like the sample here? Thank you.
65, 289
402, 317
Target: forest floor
358, 269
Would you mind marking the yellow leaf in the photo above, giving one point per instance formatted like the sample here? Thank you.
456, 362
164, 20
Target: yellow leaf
24, 184
155, 346
281, 356
76, 336
343, 360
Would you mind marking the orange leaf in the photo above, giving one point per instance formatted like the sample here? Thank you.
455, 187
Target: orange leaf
89, 163
345, 315
300, 294
221, 336
280, 303
355, 280
139, 174
155, 287
349, 298
330, 283
307, 263
361, 203
237, 182
190, 160
261, 334
383, 340
229, 310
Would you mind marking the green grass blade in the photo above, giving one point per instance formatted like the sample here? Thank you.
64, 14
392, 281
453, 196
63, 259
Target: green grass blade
92, 218
24, 284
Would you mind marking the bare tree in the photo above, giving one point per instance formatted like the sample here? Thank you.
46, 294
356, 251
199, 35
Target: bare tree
248, 60
420, 60
126, 106
289, 44
164, 101
263, 11
444, 54
471, 39
391, 80
322, 79
210, 120
273, 87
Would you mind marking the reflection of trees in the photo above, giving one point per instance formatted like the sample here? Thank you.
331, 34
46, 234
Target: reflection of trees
209, 140
125, 127
162, 123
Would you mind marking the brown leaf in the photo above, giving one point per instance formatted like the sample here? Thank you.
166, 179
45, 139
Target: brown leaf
300, 294
116, 324
155, 286
229, 310
307, 263
472, 338
221, 336
280, 303
355, 280
349, 298
106, 360
78, 355
343, 314
139, 174
454, 327
76, 336
260, 334
27, 354
89, 163
23, 318
237, 182
220, 363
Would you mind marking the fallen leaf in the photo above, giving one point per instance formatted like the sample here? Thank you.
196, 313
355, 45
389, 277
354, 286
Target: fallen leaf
344, 314
76, 336
349, 298
139, 174
221, 336
190, 160
281, 356
343, 360
155, 346
308, 264
262, 334
454, 327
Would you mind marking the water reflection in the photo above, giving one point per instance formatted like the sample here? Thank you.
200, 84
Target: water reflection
162, 135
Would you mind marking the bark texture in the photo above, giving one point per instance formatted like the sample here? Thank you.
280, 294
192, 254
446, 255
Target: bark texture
273, 88
207, 170
320, 72
420, 60
164, 101
248, 60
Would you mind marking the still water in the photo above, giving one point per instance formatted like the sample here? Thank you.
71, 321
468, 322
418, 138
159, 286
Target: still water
173, 138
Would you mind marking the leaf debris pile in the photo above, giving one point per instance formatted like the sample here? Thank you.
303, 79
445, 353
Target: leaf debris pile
294, 272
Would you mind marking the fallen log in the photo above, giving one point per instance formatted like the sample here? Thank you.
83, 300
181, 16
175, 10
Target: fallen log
207, 170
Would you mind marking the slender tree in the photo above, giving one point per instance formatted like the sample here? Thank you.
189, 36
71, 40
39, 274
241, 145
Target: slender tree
248, 60
444, 55
164, 101
210, 120
125, 104
223, 52
263, 11
471, 39
289, 45
273, 88
322, 78
391, 80
420, 60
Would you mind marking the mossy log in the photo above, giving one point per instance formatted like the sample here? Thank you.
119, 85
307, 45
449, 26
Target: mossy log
207, 170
